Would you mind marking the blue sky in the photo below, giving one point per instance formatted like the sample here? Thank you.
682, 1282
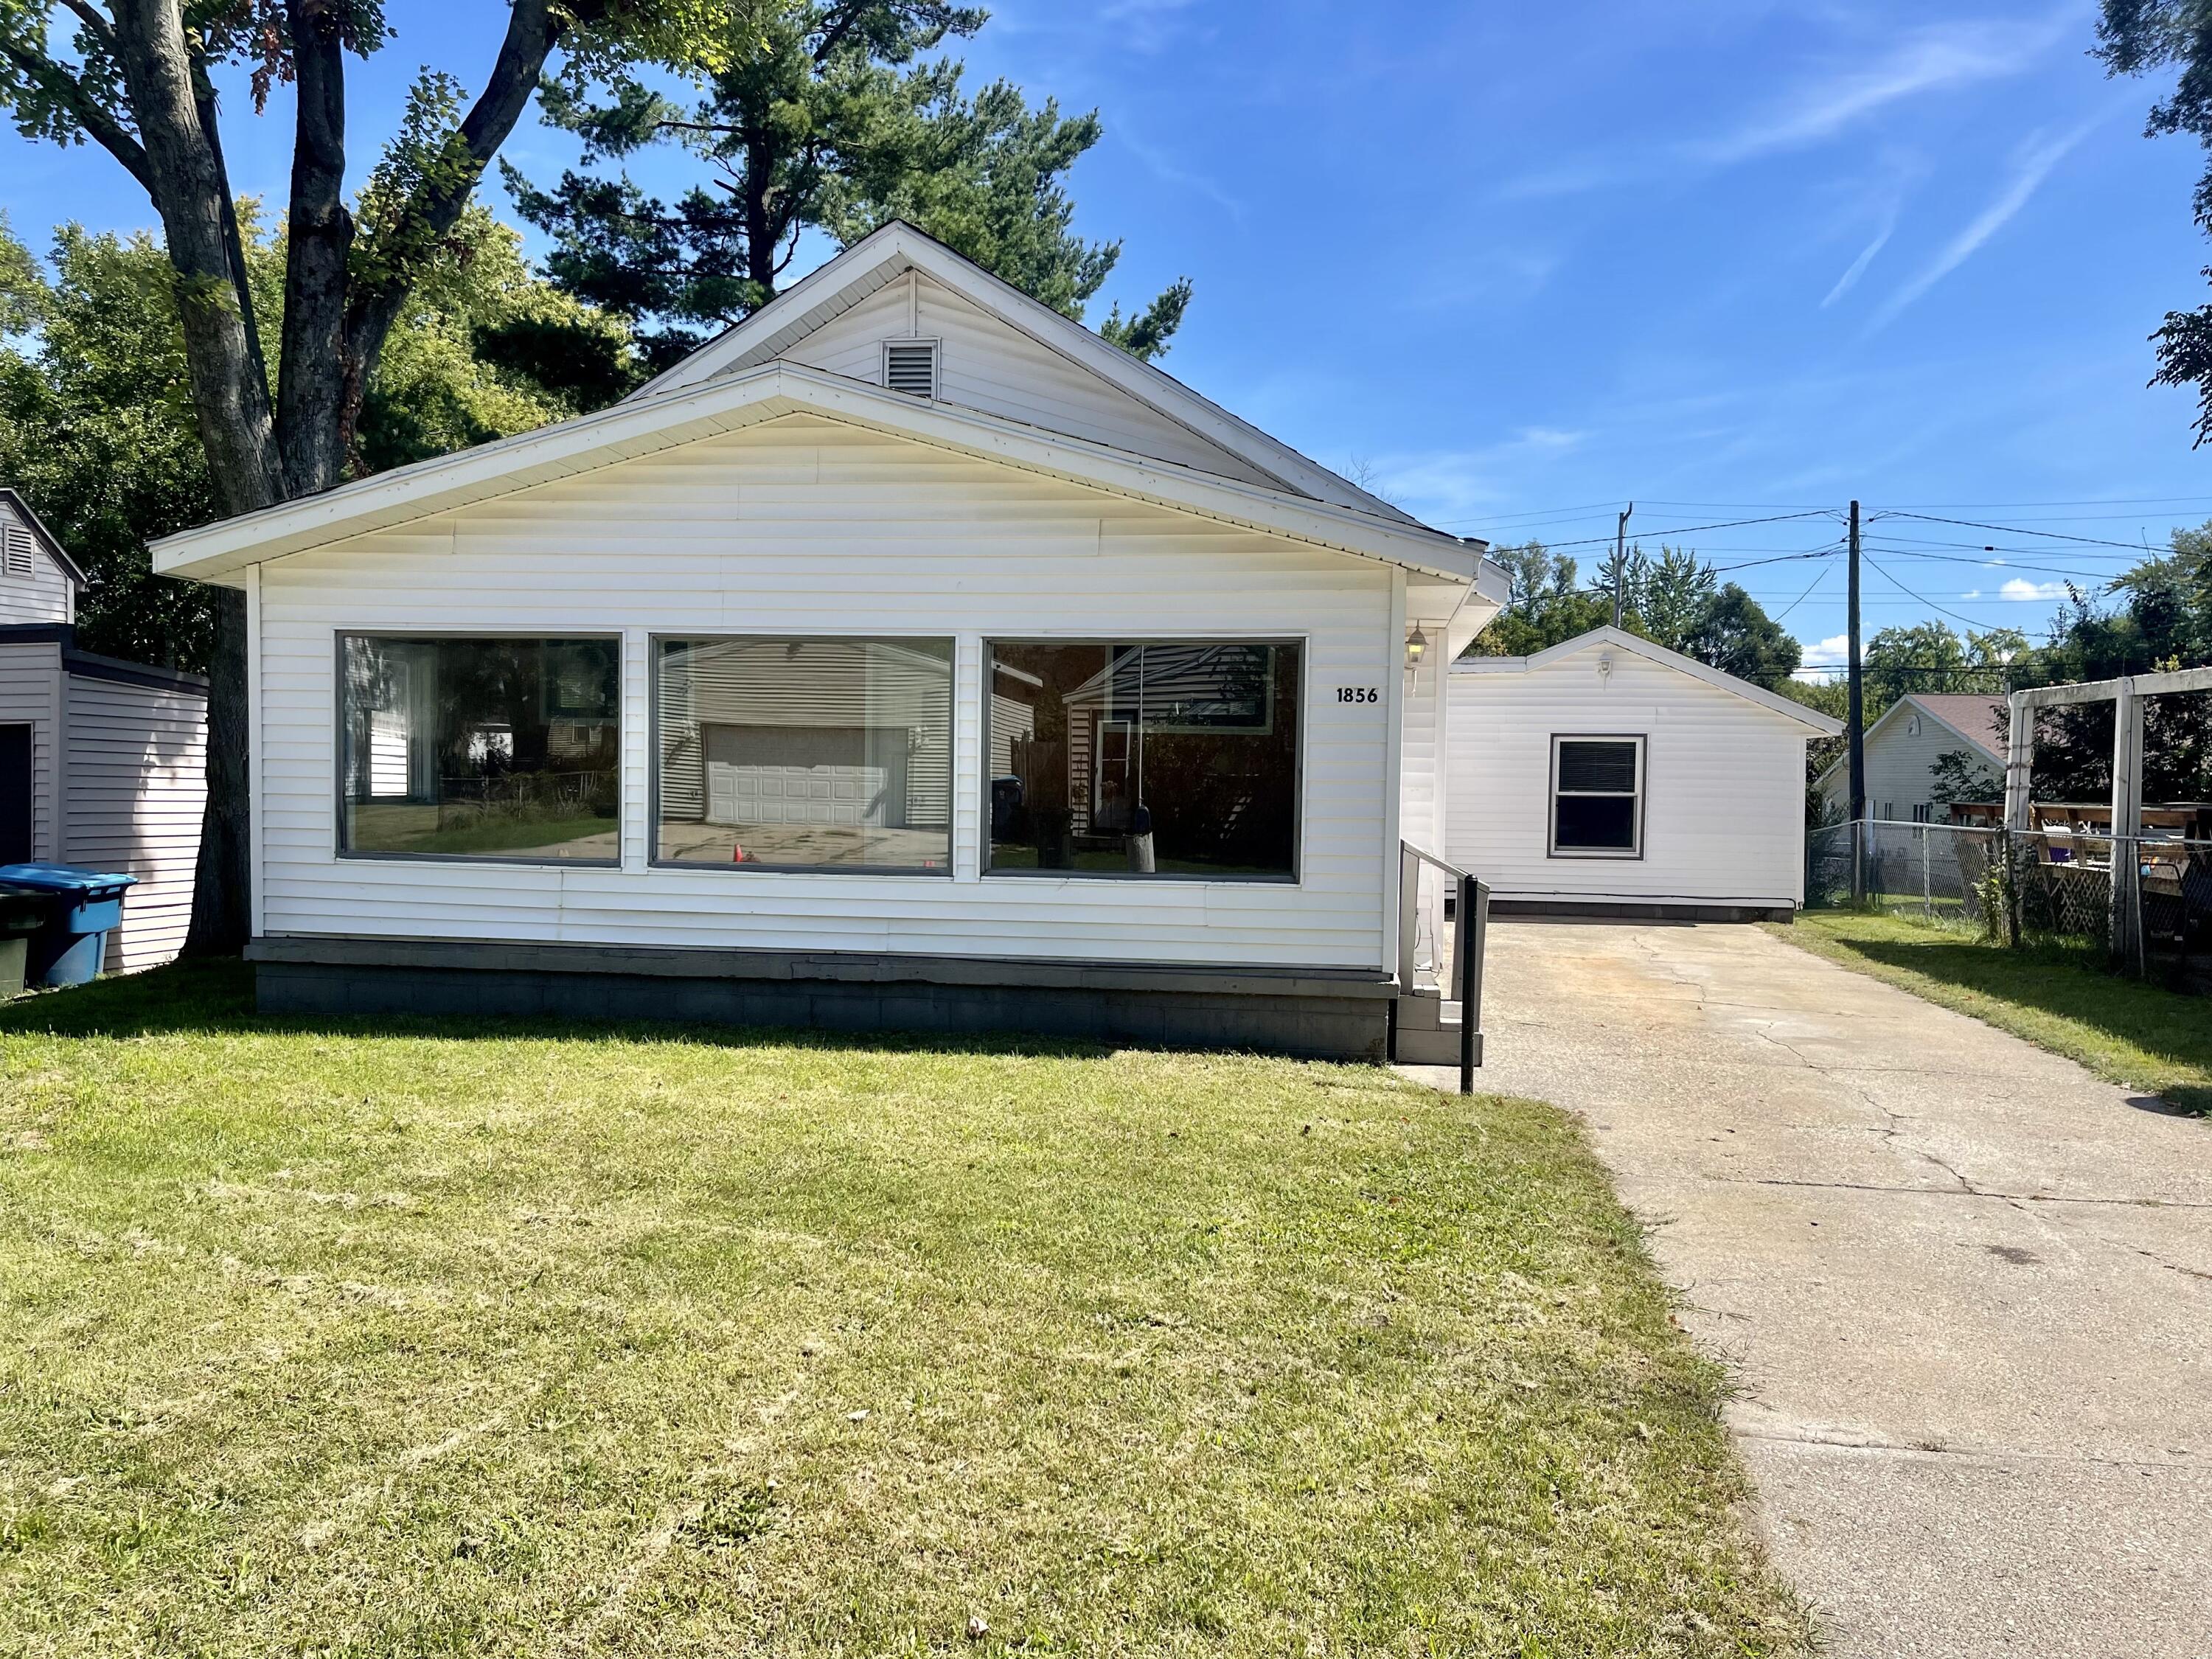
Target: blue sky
1521, 264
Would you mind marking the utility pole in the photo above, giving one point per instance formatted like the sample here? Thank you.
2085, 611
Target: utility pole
1854, 732
1620, 559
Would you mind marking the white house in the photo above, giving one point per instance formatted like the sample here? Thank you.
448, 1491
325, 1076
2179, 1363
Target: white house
102, 762
1903, 747
907, 657
1609, 776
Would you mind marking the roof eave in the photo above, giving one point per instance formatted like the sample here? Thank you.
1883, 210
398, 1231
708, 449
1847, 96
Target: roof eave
726, 404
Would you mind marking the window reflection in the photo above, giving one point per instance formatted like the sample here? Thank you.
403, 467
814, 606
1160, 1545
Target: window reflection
1145, 758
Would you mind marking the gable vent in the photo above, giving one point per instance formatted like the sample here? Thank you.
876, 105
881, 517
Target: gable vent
14, 550
910, 366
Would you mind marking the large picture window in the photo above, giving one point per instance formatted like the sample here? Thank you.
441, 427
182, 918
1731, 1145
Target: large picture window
480, 748
1166, 758
1597, 797
804, 754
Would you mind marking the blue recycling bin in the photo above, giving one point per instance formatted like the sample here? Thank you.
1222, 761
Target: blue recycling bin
83, 905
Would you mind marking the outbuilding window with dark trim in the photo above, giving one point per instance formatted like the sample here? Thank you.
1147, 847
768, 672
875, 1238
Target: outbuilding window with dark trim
1597, 797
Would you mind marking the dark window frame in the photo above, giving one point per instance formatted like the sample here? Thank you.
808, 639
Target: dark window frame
413, 635
753, 867
1641, 797
1294, 877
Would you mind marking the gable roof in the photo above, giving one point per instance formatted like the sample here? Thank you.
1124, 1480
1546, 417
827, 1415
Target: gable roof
890, 251
45, 538
725, 403
1621, 639
1982, 723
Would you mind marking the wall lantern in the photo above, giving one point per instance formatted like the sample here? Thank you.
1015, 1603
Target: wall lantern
1417, 645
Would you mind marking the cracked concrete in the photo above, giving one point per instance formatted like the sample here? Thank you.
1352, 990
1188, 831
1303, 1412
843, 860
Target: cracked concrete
1966, 1287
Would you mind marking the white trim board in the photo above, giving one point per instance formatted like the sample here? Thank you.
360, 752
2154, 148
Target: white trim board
1621, 640
224, 550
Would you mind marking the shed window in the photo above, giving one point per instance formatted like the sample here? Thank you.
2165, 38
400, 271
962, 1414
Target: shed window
1597, 797
804, 754
1146, 759
15, 549
480, 748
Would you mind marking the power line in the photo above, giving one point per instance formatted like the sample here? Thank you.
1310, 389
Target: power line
2015, 529
1930, 603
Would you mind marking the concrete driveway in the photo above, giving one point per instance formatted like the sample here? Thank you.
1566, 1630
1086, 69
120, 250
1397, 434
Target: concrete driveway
1966, 1286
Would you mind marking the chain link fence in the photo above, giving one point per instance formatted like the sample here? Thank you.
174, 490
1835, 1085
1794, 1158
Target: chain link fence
2008, 883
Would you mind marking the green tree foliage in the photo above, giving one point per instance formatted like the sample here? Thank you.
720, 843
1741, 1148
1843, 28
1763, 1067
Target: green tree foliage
816, 116
1929, 656
2147, 37
1676, 600
2157, 616
96, 418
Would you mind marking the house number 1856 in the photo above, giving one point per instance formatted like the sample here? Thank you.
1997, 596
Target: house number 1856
1357, 694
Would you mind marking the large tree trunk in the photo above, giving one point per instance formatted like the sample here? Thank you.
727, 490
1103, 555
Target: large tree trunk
311, 374
230, 396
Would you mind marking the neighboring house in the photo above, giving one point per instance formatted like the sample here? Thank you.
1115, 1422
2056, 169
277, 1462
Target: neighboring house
1902, 749
907, 657
1610, 775
102, 762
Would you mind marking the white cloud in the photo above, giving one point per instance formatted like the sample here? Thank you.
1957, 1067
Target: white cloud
1845, 282
1938, 58
1834, 652
2030, 169
2021, 588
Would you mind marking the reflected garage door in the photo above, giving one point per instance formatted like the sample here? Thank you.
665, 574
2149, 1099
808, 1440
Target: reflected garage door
805, 774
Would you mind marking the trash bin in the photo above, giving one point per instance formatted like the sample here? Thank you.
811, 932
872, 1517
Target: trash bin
22, 913
81, 907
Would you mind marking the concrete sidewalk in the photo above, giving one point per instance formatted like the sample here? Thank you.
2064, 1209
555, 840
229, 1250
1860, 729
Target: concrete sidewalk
1966, 1286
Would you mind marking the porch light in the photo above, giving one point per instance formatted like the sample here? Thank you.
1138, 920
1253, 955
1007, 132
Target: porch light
1417, 643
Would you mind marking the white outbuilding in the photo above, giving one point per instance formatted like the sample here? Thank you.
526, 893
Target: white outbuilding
1609, 776
103, 763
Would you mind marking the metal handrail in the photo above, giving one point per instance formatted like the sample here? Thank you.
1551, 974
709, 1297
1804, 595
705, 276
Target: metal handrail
1470, 935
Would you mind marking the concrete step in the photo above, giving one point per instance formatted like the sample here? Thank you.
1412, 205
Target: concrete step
1428, 1033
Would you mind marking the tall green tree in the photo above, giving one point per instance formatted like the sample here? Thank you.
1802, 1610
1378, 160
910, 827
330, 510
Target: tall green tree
138, 79
818, 116
97, 425
1675, 600
2150, 37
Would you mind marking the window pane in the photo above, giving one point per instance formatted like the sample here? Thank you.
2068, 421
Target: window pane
1600, 823
805, 754
1597, 767
1162, 758
481, 748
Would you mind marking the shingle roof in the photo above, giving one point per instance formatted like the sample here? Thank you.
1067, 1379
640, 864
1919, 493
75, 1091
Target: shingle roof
1976, 716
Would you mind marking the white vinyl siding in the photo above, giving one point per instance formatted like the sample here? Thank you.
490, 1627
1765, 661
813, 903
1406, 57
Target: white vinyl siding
34, 589
137, 787
1724, 785
31, 694
1422, 786
1900, 766
983, 364
809, 527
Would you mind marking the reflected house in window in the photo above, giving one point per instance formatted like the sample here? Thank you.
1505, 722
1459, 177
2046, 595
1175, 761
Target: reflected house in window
480, 748
798, 753
1157, 757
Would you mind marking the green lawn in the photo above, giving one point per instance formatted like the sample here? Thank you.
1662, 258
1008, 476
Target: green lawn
411, 1338
2056, 995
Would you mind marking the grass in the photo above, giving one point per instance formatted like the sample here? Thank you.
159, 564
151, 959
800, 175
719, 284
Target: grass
2056, 995
392, 1339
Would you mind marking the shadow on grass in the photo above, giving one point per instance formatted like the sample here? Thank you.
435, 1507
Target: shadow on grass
215, 997
2069, 985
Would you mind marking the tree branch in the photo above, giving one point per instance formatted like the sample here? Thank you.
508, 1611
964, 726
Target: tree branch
98, 122
311, 378
434, 207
